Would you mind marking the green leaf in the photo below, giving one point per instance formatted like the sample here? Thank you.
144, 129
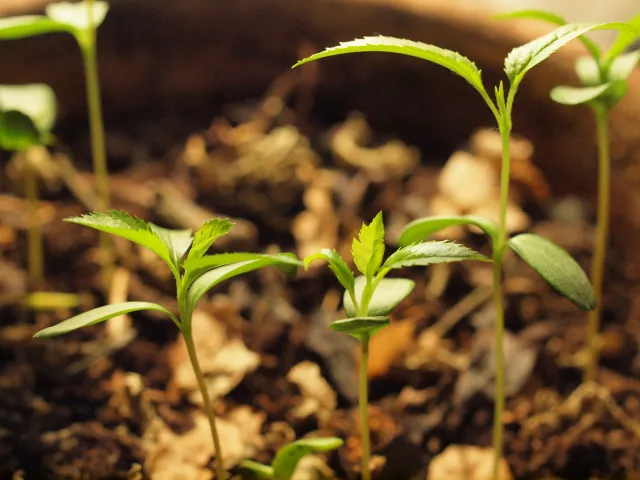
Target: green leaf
522, 59
359, 326
256, 469
556, 267
210, 278
176, 241
337, 265
578, 95
134, 229
98, 315
422, 228
37, 101
17, 132
625, 39
208, 233
368, 248
287, 458
76, 15
623, 65
428, 253
24, 26
449, 59
588, 71
388, 294
533, 14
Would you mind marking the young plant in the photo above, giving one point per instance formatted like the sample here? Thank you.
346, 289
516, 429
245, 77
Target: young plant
549, 260
604, 84
27, 115
80, 20
287, 458
370, 298
195, 275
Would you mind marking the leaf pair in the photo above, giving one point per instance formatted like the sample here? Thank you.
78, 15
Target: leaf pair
551, 262
288, 457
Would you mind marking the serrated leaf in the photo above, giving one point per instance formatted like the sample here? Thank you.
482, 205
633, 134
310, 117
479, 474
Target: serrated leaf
24, 26
287, 458
449, 59
556, 267
18, 133
522, 59
256, 469
623, 65
177, 242
578, 95
588, 71
132, 228
37, 101
388, 294
98, 315
208, 233
337, 265
549, 17
368, 248
623, 41
210, 278
422, 228
429, 253
76, 15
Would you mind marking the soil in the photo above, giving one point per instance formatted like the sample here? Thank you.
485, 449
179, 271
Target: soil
79, 406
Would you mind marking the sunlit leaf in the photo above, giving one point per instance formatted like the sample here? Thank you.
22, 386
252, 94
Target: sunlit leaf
623, 41
428, 253
422, 228
578, 95
208, 233
24, 26
287, 458
37, 101
623, 65
256, 470
368, 248
446, 58
588, 71
358, 326
98, 315
389, 293
177, 242
337, 265
556, 267
76, 14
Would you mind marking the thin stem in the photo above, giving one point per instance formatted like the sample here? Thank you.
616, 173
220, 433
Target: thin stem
87, 42
602, 235
191, 348
35, 255
364, 408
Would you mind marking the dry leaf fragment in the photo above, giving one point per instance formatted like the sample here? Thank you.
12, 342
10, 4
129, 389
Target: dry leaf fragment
466, 462
467, 181
318, 397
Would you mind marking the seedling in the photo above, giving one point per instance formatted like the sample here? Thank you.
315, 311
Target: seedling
287, 458
80, 20
194, 277
550, 261
370, 298
604, 84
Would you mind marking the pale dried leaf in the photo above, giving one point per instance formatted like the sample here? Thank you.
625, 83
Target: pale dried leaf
318, 398
466, 462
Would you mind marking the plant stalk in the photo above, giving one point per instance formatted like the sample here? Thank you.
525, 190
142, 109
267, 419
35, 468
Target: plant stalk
602, 236
191, 348
87, 42
364, 407
34, 249
498, 255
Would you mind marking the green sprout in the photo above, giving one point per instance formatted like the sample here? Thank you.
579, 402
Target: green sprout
552, 263
603, 79
27, 115
287, 458
370, 298
80, 20
194, 275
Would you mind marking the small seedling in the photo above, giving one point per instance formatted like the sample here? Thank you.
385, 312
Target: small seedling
194, 277
370, 298
603, 79
80, 20
287, 458
549, 260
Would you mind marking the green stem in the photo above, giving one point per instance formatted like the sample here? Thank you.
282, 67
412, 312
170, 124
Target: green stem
191, 348
602, 234
364, 407
87, 41
34, 249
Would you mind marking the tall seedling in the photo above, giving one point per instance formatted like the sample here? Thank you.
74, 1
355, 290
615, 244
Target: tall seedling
370, 298
195, 275
550, 261
80, 20
604, 84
